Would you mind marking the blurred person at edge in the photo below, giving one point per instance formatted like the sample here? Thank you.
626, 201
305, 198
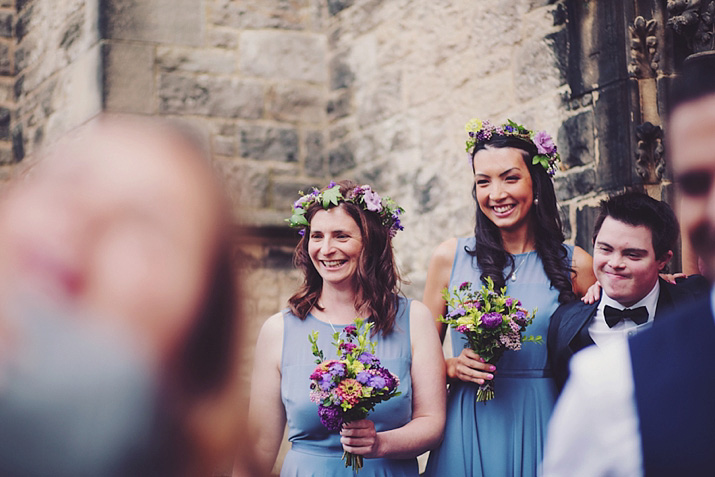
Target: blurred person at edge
117, 320
645, 406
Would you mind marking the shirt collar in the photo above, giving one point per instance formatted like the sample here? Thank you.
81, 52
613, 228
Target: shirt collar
650, 301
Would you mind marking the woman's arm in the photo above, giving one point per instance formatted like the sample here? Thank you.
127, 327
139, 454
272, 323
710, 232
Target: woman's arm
429, 397
583, 276
438, 274
266, 414
468, 365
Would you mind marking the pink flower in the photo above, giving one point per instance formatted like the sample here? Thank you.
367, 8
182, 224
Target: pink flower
544, 143
350, 390
372, 199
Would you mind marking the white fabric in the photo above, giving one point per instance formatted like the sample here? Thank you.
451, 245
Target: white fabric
600, 332
594, 428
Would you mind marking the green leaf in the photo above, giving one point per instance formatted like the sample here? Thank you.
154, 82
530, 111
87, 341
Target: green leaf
332, 196
299, 219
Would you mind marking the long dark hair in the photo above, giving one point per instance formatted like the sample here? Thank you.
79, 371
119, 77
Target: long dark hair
377, 278
544, 220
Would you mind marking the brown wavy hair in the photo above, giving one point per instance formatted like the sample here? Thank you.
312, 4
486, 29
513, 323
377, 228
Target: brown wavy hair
377, 278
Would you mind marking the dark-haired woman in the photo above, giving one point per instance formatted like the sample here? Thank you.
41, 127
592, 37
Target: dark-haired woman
349, 269
518, 242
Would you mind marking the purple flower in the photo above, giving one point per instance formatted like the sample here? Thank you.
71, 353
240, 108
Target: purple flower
377, 381
372, 200
462, 328
544, 143
331, 185
509, 301
368, 359
347, 347
301, 232
330, 417
337, 369
363, 377
350, 330
491, 320
457, 312
519, 318
326, 382
464, 285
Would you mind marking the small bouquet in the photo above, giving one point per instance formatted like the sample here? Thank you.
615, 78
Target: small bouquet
492, 322
348, 388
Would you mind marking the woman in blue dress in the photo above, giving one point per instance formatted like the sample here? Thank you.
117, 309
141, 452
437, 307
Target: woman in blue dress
349, 268
518, 242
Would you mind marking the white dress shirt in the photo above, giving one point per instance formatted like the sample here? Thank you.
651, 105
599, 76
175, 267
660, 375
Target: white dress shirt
602, 334
594, 430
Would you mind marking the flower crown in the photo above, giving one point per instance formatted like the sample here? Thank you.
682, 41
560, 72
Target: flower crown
362, 196
547, 155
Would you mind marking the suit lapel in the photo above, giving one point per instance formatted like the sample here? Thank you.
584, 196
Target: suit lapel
577, 332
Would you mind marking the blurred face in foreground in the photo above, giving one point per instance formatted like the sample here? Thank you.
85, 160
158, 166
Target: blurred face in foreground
119, 223
692, 150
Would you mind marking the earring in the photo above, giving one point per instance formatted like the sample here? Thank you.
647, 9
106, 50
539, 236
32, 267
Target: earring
536, 201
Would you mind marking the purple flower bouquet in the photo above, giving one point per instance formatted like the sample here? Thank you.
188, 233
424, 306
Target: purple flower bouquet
491, 321
348, 388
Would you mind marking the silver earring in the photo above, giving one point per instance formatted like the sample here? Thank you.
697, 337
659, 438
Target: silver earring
536, 201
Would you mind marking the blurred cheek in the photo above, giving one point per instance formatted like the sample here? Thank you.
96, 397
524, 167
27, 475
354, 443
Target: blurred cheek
144, 285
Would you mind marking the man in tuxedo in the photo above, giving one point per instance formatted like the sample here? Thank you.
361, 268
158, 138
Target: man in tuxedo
643, 406
633, 241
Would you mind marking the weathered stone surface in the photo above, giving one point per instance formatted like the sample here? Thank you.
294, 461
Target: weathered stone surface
341, 159
565, 214
129, 77
22, 25
336, 6
18, 143
341, 76
575, 183
615, 152
268, 143
537, 71
6, 64
314, 154
211, 96
339, 106
585, 220
6, 22
284, 55
224, 146
6, 155
246, 184
380, 100
179, 22
576, 140
5, 116
297, 103
280, 14
222, 38
202, 60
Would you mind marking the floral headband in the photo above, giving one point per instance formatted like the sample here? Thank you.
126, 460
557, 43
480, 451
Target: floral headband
362, 196
547, 155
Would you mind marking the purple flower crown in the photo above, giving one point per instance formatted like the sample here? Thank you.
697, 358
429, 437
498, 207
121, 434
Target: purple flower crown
547, 156
362, 196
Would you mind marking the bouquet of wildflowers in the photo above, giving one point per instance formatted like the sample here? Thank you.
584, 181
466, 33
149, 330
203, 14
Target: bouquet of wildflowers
347, 388
491, 321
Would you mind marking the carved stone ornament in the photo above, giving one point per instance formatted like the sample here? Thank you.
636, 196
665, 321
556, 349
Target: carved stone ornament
644, 49
650, 163
693, 20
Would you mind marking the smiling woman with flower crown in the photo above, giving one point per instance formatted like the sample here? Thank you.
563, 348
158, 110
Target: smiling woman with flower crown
349, 271
518, 243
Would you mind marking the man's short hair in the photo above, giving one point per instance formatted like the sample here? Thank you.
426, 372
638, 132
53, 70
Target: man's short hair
636, 208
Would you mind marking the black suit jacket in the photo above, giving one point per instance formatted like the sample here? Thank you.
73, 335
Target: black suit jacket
568, 328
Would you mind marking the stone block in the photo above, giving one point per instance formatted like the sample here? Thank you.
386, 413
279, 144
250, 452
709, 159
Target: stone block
21, 4
202, 60
341, 159
5, 117
286, 191
224, 146
179, 22
576, 140
6, 63
314, 148
336, 6
284, 55
222, 38
293, 102
6, 22
210, 96
585, 219
340, 105
129, 78
341, 76
18, 143
6, 155
380, 100
278, 14
574, 184
616, 163
268, 143
22, 25
565, 214
246, 184
536, 70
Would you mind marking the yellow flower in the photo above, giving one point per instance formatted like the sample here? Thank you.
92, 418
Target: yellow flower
473, 125
356, 367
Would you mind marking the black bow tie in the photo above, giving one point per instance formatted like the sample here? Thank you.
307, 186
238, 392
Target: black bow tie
613, 315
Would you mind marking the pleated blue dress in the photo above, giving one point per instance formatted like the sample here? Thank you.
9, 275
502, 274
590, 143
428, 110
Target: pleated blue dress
315, 451
505, 436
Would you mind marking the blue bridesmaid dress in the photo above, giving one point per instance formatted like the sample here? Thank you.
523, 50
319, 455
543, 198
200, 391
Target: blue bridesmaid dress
316, 451
505, 436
